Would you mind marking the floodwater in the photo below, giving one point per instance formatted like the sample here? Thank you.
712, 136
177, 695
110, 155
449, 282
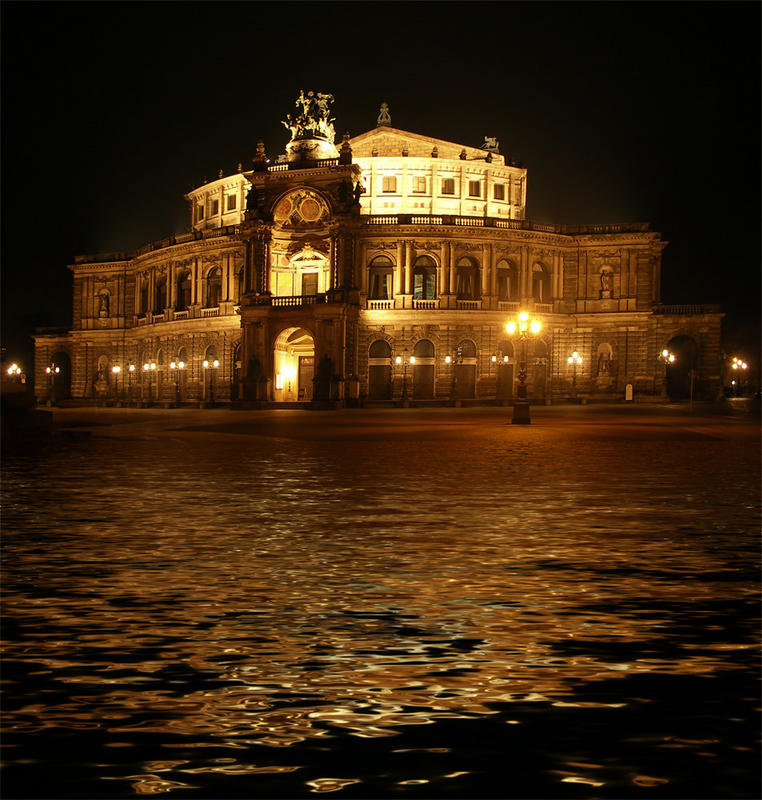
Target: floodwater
383, 604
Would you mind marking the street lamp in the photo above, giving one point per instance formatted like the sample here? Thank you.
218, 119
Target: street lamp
14, 372
52, 371
404, 359
522, 328
149, 369
130, 370
575, 360
666, 358
210, 365
115, 370
177, 366
740, 366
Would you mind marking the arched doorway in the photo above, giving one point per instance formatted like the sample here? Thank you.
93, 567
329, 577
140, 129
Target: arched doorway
423, 370
465, 370
293, 366
684, 369
380, 371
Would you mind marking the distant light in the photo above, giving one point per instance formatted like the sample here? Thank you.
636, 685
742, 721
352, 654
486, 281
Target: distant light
523, 316
412, 359
132, 368
510, 328
116, 369
205, 364
448, 359
536, 326
398, 360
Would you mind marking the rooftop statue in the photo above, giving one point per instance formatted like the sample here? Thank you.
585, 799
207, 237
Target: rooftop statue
314, 121
491, 143
384, 117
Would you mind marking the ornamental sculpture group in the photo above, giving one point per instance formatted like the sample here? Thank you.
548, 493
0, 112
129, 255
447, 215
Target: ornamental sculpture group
314, 121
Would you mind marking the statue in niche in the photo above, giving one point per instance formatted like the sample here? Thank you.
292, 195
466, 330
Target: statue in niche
607, 280
604, 364
358, 190
103, 304
384, 118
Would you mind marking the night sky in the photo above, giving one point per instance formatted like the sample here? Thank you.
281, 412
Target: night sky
621, 113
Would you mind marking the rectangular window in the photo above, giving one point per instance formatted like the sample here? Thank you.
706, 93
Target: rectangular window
214, 207
389, 184
199, 212
232, 202
419, 185
499, 192
309, 283
448, 186
474, 189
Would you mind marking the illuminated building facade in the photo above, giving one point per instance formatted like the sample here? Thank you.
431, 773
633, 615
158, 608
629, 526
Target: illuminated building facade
350, 275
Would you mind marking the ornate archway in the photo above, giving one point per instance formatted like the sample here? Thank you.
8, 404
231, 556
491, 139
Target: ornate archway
293, 366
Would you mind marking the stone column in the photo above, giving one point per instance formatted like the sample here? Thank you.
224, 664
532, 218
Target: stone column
226, 278
399, 272
409, 267
487, 269
443, 271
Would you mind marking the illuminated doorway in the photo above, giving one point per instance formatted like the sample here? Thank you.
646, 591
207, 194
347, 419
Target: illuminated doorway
293, 366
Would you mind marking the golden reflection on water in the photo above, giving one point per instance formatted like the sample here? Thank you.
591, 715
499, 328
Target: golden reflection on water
306, 603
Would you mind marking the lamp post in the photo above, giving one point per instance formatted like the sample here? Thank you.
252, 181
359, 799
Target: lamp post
666, 358
210, 365
15, 374
51, 372
405, 359
522, 328
455, 360
149, 369
575, 360
130, 370
176, 366
739, 366
499, 359
115, 370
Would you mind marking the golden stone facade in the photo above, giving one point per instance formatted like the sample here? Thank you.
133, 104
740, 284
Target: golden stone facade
391, 266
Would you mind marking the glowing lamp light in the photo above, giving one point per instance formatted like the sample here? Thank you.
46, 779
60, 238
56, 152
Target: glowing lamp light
132, 368
412, 359
14, 369
448, 359
535, 327
278, 380
574, 358
205, 364
398, 360
510, 328
116, 369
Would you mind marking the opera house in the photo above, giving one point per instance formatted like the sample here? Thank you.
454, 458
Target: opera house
382, 269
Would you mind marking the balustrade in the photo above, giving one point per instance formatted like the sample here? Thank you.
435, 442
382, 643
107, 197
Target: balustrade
468, 305
421, 305
380, 305
210, 312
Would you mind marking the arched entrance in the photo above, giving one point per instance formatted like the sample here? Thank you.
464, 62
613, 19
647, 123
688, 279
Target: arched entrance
380, 371
684, 368
293, 366
423, 370
465, 371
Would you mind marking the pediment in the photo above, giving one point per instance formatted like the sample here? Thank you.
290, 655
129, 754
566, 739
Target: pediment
388, 141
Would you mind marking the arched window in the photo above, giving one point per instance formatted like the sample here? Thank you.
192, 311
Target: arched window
423, 349
540, 349
213, 287
507, 281
424, 278
467, 349
161, 294
211, 354
183, 291
380, 349
380, 278
540, 284
467, 279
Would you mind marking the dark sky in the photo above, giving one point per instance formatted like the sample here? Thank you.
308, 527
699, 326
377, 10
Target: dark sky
621, 113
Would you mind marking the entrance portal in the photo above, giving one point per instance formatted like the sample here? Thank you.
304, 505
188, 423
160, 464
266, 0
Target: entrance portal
293, 366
